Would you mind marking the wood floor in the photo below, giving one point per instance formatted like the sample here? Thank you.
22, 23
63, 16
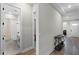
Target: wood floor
71, 47
61, 52
30, 52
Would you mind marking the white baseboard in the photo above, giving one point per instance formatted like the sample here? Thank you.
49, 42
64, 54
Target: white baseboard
27, 49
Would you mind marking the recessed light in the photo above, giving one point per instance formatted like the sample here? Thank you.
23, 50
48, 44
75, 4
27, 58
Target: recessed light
69, 6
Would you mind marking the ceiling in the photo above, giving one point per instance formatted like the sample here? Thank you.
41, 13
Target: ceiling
69, 11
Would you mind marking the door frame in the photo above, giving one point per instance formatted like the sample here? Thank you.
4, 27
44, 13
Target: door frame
2, 14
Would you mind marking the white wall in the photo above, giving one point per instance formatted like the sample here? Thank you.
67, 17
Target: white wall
27, 28
75, 28
50, 24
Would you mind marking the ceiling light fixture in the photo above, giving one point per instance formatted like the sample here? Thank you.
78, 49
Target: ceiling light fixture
69, 6
74, 24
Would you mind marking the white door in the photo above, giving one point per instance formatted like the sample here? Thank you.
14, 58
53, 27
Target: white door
10, 29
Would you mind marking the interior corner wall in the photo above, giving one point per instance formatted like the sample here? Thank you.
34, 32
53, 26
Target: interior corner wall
27, 28
50, 25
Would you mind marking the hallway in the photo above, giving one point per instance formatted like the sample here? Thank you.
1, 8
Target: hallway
71, 47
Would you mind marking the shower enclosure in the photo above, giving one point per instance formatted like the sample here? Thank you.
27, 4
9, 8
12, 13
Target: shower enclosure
10, 37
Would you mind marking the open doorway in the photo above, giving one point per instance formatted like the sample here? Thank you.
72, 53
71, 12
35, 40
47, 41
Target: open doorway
71, 27
10, 29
